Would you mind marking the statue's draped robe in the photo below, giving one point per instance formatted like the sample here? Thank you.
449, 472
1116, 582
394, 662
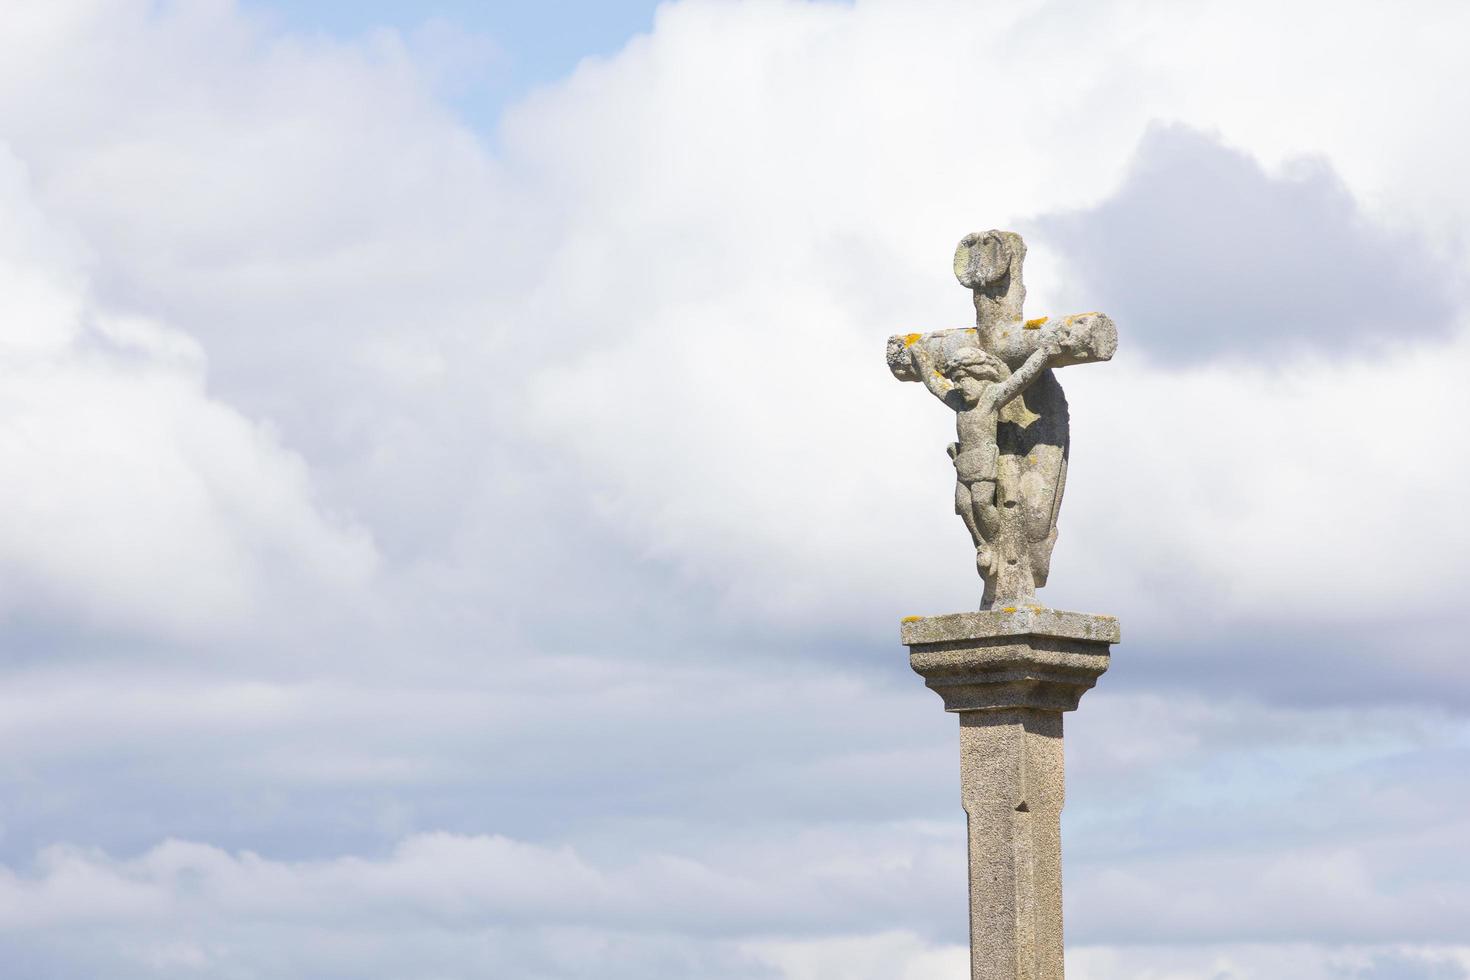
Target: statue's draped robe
1033, 437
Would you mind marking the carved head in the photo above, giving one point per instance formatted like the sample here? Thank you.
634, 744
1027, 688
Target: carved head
972, 363
986, 260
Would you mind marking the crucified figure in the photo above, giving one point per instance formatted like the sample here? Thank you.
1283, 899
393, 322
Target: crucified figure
977, 385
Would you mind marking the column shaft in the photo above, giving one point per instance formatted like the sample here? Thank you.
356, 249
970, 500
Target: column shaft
1011, 776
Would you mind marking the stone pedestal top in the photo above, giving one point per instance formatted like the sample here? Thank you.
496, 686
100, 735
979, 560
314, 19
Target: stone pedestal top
1016, 657
1009, 621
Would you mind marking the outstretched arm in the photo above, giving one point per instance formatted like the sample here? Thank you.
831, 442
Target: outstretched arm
1027, 372
928, 372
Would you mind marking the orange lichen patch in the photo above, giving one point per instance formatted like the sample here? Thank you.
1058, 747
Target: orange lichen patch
1037, 608
1034, 324
910, 339
1009, 609
911, 619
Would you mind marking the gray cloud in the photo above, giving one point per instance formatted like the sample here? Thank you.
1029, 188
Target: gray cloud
1403, 966
1202, 253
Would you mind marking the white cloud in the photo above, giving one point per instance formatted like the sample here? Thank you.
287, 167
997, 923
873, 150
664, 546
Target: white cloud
714, 279
905, 955
745, 427
609, 400
896, 955
1249, 479
186, 904
727, 806
1245, 961
134, 499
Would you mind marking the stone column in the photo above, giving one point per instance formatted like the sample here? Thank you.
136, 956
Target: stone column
1009, 674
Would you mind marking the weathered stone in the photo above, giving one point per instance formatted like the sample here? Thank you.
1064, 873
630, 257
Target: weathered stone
1011, 774
1011, 669
1010, 674
1028, 658
1011, 415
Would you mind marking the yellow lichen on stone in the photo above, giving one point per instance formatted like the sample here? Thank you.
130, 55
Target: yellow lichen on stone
1009, 609
1036, 323
911, 619
910, 339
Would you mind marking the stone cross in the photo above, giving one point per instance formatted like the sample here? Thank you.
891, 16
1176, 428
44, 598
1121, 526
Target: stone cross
1011, 455
1011, 669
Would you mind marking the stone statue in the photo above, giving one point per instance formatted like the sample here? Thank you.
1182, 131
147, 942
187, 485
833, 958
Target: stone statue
1011, 416
1012, 669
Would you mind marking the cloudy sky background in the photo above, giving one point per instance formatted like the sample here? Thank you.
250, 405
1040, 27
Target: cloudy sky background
456, 512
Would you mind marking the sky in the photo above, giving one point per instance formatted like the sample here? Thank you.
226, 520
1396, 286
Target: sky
485, 55
458, 513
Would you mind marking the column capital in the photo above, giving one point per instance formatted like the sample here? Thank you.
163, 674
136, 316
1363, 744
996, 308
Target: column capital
1016, 657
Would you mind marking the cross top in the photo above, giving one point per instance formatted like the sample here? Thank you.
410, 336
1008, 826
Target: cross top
989, 263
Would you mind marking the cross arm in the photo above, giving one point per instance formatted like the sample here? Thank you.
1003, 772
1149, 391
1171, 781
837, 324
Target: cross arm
1085, 338
935, 346
923, 364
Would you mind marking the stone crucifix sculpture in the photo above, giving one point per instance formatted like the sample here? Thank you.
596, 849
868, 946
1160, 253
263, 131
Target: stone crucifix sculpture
1011, 456
1011, 669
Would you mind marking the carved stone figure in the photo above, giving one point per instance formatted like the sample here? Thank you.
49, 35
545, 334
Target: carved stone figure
1013, 439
